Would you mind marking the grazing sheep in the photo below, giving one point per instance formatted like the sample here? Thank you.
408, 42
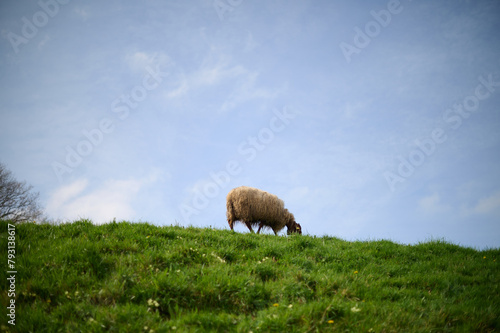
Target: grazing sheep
256, 207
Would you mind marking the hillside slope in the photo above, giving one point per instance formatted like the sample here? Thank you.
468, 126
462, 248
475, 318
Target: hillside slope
125, 277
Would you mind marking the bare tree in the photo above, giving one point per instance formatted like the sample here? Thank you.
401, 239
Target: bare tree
17, 202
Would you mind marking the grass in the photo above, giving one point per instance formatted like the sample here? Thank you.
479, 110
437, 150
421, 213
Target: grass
126, 277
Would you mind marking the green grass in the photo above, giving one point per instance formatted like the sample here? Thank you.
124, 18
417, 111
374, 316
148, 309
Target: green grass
126, 277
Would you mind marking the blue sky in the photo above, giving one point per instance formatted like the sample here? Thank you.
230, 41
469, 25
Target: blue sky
370, 119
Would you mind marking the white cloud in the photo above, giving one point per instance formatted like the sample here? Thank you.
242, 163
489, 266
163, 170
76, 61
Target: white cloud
485, 206
113, 199
248, 90
210, 75
65, 194
354, 108
181, 90
213, 72
488, 205
207, 75
138, 61
220, 71
432, 205
82, 13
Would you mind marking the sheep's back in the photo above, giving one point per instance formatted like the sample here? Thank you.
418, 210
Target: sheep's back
254, 205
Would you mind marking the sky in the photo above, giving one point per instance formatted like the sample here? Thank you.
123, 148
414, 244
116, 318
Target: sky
370, 119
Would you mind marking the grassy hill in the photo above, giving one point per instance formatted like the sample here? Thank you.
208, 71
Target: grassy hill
126, 277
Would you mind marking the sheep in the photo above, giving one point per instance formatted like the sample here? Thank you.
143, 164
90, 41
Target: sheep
256, 207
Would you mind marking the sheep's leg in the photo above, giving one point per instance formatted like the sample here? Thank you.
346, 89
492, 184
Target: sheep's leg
260, 227
249, 225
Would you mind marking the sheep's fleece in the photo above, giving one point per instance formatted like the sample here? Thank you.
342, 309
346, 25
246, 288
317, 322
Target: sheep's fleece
256, 207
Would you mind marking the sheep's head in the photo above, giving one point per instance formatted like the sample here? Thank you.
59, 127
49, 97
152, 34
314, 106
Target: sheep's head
292, 226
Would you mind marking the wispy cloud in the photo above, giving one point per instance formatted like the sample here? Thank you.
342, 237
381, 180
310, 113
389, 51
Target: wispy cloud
432, 205
114, 198
65, 194
485, 206
209, 74
249, 89
82, 13
181, 89
218, 71
138, 61
489, 204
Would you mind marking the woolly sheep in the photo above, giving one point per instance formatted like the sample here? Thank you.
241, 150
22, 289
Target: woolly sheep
256, 207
